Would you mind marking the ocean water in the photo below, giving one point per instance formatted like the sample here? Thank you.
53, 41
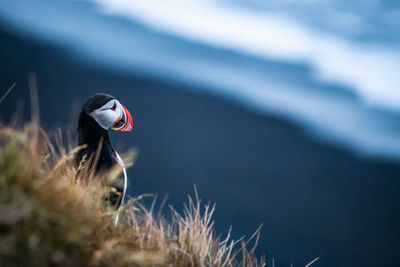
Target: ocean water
330, 66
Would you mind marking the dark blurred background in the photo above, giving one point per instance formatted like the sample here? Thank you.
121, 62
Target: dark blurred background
283, 113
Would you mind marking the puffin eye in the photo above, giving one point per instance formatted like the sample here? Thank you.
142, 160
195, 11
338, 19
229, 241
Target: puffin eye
114, 107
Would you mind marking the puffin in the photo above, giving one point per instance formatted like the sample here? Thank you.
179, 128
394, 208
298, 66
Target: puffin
100, 113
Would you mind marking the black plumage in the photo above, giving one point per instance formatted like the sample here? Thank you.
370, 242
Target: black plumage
91, 134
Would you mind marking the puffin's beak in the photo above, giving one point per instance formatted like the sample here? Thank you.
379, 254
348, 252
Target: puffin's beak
124, 122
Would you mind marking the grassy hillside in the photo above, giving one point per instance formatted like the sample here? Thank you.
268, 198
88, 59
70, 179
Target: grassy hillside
52, 214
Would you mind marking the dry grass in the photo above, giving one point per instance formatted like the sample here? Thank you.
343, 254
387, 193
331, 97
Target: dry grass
50, 218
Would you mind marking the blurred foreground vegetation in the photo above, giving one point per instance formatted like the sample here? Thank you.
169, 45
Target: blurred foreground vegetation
51, 214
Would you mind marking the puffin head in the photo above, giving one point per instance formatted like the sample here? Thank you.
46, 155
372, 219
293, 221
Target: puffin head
108, 112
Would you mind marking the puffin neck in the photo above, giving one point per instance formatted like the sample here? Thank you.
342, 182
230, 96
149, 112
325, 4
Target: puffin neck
90, 133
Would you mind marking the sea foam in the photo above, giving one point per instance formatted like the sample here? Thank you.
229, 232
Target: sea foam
370, 69
265, 61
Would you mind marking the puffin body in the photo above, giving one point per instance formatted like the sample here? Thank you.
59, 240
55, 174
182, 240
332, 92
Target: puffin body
100, 113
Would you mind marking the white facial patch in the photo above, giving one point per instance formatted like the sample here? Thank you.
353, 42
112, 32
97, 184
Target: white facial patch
106, 116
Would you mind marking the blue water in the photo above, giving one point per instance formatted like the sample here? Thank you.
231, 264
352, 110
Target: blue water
358, 20
330, 66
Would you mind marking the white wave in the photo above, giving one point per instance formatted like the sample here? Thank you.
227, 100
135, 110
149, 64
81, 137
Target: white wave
334, 116
370, 70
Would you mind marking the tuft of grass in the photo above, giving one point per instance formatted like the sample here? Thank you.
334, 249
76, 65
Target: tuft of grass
53, 214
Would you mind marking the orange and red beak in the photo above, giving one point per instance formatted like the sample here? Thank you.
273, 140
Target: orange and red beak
124, 122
